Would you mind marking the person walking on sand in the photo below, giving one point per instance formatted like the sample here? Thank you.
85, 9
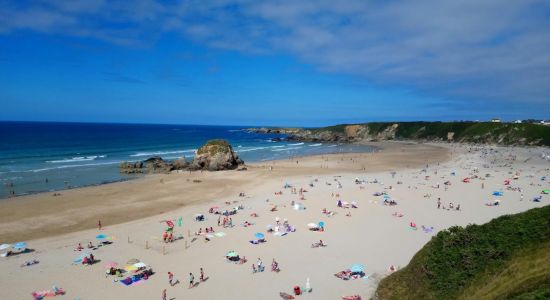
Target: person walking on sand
170, 278
191, 280
99, 224
164, 294
202, 275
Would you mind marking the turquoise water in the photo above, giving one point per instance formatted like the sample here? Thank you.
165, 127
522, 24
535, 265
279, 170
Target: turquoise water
37, 157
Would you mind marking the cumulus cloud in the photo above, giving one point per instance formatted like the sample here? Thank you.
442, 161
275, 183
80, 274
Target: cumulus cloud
472, 50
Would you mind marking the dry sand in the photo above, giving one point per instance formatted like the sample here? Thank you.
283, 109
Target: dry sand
133, 213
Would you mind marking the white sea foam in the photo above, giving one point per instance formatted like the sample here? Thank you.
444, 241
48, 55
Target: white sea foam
286, 149
74, 166
297, 144
76, 159
316, 145
140, 154
250, 149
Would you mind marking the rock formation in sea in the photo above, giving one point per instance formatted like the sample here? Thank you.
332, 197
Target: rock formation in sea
216, 155
153, 164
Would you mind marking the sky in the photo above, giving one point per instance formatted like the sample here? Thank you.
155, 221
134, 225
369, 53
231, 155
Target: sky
280, 63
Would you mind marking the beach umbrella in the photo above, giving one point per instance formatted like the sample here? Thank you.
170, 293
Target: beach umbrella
232, 254
312, 225
5, 246
496, 193
259, 235
321, 224
20, 245
111, 264
140, 265
132, 261
357, 268
101, 236
130, 268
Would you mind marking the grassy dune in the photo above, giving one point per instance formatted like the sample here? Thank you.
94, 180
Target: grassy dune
507, 258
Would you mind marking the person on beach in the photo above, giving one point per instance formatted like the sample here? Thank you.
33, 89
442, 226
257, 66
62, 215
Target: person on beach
202, 275
438, 203
260, 265
191, 280
170, 278
254, 268
99, 224
219, 219
164, 294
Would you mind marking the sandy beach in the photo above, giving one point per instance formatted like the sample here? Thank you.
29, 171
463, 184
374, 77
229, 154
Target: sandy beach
373, 234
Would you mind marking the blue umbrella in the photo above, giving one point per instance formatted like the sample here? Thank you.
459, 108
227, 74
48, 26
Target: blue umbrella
357, 268
497, 193
259, 235
20, 245
321, 224
100, 236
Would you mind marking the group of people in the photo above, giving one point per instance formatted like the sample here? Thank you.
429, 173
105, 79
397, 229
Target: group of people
259, 266
168, 237
206, 230
226, 222
450, 207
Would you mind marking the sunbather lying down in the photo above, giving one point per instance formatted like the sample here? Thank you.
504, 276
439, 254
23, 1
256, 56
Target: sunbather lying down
286, 296
348, 274
352, 297
318, 244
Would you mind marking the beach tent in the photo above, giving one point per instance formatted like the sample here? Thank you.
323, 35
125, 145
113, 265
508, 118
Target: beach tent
20, 246
299, 206
232, 254
357, 268
259, 235
497, 193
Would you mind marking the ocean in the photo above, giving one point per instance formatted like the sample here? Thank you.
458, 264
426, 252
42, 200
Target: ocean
47, 156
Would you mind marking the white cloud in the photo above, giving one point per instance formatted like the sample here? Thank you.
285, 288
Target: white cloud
470, 49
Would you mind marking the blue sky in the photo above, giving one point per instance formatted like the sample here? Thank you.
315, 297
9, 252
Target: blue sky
300, 63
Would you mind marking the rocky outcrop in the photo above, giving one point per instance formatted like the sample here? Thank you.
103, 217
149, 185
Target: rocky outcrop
154, 164
216, 155
265, 130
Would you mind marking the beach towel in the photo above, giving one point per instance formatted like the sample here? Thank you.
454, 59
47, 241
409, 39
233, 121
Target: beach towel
219, 234
126, 281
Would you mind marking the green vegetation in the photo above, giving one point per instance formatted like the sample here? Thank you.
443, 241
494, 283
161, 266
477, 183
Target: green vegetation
471, 132
213, 147
506, 258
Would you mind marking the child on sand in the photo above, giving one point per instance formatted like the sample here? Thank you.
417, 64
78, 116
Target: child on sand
202, 275
191, 280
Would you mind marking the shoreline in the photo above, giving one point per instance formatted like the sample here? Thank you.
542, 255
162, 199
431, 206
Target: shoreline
80, 208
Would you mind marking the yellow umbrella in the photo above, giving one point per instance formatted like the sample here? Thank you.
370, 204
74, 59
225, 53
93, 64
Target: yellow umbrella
130, 268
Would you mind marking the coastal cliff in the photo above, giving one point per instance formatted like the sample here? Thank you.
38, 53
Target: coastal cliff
464, 132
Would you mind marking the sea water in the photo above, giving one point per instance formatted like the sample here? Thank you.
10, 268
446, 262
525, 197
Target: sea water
38, 156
